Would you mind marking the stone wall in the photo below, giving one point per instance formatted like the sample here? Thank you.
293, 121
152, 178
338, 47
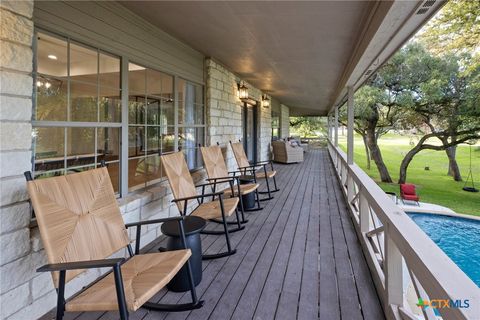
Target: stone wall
16, 83
224, 112
24, 293
284, 121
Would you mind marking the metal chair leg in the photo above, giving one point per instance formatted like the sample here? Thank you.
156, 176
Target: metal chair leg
268, 191
242, 209
229, 251
257, 195
61, 296
275, 184
122, 304
238, 218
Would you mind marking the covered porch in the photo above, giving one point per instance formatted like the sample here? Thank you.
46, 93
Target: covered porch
330, 245
299, 258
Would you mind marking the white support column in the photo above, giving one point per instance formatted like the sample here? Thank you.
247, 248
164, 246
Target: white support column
335, 132
350, 114
328, 126
393, 273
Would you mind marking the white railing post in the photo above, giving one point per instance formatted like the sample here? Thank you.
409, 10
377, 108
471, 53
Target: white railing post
393, 268
364, 211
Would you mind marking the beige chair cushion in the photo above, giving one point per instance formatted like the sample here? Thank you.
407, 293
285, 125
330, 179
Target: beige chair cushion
143, 276
212, 210
78, 218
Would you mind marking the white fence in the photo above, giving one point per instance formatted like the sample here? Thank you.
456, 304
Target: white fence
406, 264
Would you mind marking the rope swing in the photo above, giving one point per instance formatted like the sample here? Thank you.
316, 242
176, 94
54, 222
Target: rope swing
470, 176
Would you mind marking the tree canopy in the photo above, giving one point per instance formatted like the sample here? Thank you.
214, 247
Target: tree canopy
456, 28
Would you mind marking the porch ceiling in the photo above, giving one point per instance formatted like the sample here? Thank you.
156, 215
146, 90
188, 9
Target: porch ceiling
302, 53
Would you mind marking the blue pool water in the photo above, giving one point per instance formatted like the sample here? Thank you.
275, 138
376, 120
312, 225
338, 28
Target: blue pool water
459, 238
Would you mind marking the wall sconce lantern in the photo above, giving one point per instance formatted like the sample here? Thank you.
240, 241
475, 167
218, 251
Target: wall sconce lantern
265, 101
242, 91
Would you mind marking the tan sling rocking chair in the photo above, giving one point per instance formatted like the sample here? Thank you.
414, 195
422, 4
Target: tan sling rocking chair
218, 173
81, 227
258, 169
184, 190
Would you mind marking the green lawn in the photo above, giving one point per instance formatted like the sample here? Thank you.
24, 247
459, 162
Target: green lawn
433, 186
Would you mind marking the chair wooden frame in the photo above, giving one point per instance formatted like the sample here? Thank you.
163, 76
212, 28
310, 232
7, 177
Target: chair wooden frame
59, 197
257, 169
184, 190
218, 173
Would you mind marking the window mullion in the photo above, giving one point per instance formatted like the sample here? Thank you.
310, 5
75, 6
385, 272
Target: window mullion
124, 131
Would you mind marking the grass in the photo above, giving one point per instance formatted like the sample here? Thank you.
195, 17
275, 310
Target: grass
434, 185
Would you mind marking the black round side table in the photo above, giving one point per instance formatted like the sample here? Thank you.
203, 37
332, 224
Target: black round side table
249, 198
193, 225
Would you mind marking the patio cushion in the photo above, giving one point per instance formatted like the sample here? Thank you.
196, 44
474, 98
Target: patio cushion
211, 210
410, 197
143, 276
408, 188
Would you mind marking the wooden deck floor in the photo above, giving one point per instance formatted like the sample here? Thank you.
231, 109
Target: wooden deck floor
299, 258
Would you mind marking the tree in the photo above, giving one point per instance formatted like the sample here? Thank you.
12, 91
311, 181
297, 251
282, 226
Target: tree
308, 126
440, 99
375, 114
455, 29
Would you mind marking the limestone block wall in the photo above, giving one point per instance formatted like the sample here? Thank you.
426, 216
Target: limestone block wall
224, 112
284, 121
16, 83
24, 293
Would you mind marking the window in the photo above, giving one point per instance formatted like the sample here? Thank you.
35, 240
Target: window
191, 121
151, 124
275, 125
77, 114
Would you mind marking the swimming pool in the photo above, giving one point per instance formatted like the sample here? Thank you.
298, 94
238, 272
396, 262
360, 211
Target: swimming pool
459, 238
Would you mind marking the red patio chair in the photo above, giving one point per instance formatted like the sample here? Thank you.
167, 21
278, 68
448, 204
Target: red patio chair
407, 192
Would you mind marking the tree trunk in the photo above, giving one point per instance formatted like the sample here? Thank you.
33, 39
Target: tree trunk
406, 161
376, 155
453, 169
367, 152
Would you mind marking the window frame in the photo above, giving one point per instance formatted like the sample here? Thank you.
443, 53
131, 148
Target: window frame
124, 124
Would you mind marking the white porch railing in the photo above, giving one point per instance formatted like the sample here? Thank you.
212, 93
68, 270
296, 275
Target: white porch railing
402, 258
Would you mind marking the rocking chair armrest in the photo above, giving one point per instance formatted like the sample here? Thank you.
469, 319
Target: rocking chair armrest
242, 171
222, 179
252, 167
211, 183
63, 266
141, 223
219, 193
261, 163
